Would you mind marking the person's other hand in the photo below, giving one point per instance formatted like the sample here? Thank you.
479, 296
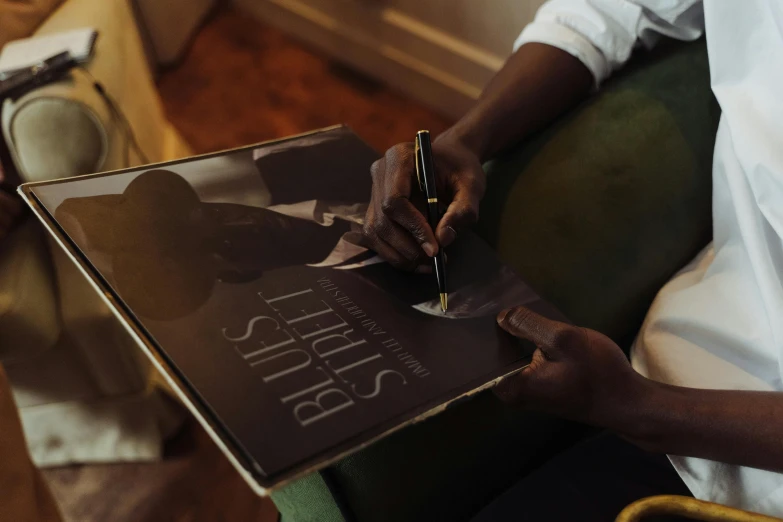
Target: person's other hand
395, 226
576, 373
10, 210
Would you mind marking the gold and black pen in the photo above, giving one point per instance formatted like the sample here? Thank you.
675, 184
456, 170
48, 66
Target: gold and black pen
425, 172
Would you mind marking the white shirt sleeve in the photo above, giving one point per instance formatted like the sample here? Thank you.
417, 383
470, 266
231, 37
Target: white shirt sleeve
603, 33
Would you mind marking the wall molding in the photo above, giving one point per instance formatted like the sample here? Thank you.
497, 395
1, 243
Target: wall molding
489, 60
429, 65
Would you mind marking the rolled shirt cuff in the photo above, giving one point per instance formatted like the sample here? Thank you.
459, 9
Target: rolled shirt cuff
570, 41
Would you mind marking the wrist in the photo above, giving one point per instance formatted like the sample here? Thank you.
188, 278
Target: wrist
463, 136
649, 407
630, 410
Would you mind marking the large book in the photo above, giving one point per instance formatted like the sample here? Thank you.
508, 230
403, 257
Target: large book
243, 275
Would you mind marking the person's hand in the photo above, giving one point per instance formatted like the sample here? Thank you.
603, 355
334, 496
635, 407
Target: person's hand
395, 226
10, 210
576, 373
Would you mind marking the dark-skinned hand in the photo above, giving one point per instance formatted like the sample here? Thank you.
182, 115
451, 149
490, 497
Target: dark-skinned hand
575, 373
395, 225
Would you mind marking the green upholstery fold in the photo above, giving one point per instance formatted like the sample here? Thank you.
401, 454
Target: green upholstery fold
308, 499
602, 208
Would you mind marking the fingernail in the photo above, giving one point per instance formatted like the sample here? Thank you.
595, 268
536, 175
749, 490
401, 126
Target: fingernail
448, 236
502, 315
423, 269
428, 249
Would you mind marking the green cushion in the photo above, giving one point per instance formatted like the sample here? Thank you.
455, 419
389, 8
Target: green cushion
596, 213
599, 211
309, 499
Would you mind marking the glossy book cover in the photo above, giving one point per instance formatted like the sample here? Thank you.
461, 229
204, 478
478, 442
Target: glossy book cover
245, 272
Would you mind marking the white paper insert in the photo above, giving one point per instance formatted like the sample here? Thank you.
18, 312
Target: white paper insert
20, 54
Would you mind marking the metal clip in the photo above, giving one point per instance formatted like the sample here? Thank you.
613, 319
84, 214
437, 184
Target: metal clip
416, 150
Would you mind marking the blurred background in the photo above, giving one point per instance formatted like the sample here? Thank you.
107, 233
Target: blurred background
185, 77
378, 65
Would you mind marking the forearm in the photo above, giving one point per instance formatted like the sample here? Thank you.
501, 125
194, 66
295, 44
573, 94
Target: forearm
538, 83
737, 427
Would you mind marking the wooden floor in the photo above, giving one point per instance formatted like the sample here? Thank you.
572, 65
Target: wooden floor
244, 82
241, 83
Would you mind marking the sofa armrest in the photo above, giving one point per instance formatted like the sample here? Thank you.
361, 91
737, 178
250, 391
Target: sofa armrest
58, 131
67, 128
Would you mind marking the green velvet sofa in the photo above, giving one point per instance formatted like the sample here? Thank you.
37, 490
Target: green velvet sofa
596, 212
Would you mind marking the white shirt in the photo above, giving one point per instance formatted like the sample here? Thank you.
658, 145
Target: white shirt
719, 323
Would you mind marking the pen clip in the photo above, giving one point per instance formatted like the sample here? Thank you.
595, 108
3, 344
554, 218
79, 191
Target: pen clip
417, 156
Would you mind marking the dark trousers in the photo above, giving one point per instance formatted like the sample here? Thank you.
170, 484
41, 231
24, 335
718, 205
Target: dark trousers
592, 481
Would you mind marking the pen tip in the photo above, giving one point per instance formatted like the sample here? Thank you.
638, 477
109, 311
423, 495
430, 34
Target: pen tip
444, 302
